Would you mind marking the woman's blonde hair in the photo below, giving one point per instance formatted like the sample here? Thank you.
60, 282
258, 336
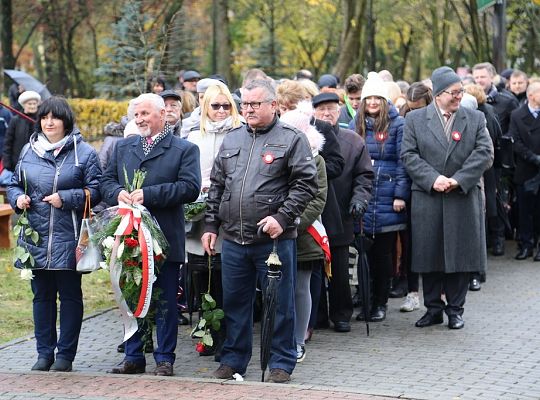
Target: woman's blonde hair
477, 91
189, 102
290, 93
211, 93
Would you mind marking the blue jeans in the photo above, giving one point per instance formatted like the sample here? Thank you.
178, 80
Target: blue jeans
241, 266
46, 286
166, 319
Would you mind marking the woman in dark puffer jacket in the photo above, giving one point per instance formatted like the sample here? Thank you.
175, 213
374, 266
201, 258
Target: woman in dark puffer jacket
381, 127
55, 167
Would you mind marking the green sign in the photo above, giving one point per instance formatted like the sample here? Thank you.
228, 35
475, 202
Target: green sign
481, 5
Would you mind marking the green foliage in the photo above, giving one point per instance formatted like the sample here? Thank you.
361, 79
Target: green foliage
125, 73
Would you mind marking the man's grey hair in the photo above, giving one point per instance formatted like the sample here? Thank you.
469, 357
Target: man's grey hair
156, 100
486, 65
533, 87
268, 85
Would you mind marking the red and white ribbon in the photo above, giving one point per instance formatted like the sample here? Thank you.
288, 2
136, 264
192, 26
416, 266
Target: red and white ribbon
318, 232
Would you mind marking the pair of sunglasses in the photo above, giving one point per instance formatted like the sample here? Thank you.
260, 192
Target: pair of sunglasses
217, 106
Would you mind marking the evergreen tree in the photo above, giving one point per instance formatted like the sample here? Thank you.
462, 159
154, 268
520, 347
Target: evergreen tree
132, 55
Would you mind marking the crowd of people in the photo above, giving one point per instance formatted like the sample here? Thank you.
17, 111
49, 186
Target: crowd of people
420, 172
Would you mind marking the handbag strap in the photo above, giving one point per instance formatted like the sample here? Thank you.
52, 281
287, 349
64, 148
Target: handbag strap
87, 212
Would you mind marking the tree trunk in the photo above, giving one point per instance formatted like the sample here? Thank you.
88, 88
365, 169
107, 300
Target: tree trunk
6, 34
353, 16
223, 41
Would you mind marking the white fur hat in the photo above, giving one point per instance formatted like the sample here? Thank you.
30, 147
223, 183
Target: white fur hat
28, 95
374, 86
300, 118
131, 129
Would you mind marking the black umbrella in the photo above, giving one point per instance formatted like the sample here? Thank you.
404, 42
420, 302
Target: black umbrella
28, 82
362, 244
269, 306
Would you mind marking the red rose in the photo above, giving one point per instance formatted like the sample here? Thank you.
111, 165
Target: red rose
131, 263
158, 257
199, 347
130, 242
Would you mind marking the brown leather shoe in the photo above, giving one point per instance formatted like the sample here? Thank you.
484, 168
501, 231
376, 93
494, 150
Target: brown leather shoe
224, 372
164, 368
128, 367
278, 375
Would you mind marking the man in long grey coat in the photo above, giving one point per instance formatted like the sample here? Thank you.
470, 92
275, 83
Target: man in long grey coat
446, 149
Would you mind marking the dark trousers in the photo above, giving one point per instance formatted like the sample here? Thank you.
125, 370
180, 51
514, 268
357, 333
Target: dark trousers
241, 267
528, 209
380, 257
166, 319
454, 286
46, 286
339, 289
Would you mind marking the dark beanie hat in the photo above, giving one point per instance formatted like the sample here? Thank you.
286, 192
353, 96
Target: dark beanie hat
443, 77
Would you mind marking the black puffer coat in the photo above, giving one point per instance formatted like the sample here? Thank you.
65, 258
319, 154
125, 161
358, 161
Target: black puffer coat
74, 168
17, 135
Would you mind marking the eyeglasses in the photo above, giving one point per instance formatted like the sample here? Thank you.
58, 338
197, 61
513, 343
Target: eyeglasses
455, 93
217, 106
254, 104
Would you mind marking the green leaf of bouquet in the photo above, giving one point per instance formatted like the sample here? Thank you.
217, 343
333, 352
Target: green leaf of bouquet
137, 276
198, 334
35, 237
202, 323
208, 297
207, 340
24, 257
32, 261
213, 304
28, 231
17, 230
216, 325
205, 305
207, 315
18, 252
23, 221
218, 313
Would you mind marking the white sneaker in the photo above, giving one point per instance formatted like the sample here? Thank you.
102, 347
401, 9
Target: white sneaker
300, 353
411, 303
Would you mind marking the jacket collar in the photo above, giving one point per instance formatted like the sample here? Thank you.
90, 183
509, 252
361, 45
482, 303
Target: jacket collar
265, 129
156, 151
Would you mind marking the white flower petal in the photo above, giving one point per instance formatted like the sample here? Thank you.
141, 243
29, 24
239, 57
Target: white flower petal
26, 274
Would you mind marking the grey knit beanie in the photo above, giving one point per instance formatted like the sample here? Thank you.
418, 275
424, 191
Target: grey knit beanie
443, 77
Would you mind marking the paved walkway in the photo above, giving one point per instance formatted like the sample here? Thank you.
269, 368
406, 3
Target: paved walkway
496, 356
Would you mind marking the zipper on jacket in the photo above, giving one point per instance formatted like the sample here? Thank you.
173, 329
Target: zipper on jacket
51, 218
375, 202
74, 219
243, 186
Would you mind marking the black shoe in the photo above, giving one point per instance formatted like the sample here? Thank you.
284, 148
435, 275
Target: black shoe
474, 284
429, 319
129, 368
455, 322
42, 364
397, 292
61, 365
537, 256
163, 368
342, 326
524, 253
498, 249
182, 320
378, 314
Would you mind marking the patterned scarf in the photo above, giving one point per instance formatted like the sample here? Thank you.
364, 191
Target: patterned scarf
147, 147
447, 125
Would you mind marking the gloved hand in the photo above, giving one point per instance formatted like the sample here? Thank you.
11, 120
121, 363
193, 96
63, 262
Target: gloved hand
357, 210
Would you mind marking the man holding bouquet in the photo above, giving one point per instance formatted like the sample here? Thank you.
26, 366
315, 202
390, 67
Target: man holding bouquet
171, 178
